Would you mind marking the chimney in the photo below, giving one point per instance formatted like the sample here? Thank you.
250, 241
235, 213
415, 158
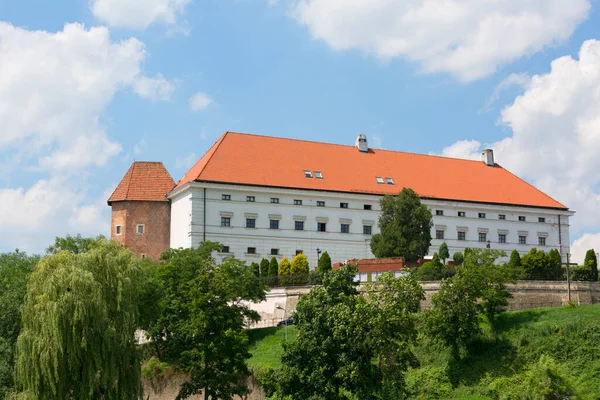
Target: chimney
487, 156
361, 144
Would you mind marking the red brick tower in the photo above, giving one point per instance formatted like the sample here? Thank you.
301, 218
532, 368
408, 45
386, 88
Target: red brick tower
141, 212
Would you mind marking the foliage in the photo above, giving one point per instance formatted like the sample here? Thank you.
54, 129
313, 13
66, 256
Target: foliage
554, 260
284, 267
458, 258
515, 259
429, 382
430, 271
444, 252
79, 320
157, 373
591, 263
405, 226
150, 292
255, 269
350, 345
74, 244
202, 320
264, 267
324, 263
539, 265
273, 267
582, 273
299, 265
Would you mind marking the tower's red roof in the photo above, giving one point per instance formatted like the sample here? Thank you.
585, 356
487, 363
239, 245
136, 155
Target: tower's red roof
144, 181
277, 162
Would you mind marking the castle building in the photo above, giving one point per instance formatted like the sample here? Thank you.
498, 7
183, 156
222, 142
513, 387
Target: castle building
265, 196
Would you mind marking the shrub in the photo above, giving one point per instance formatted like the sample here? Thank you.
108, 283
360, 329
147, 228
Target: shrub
324, 263
428, 383
591, 262
582, 273
430, 271
515, 259
273, 267
458, 258
255, 269
444, 252
299, 265
264, 267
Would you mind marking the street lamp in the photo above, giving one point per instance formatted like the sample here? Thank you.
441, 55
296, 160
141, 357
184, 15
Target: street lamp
318, 254
284, 318
488, 244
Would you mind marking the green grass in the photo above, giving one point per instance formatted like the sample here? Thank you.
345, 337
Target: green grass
266, 346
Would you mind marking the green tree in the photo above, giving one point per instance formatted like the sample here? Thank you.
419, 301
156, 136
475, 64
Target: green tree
458, 258
554, 260
537, 265
444, 252
15, 269
284, 267
299, 265
74, 244
79, 320
255, 269
405, 226
515, 259
203, 318
467, 252
264, 267
324, 263
591, 263
273, 267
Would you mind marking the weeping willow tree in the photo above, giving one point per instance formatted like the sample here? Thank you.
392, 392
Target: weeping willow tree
79, 320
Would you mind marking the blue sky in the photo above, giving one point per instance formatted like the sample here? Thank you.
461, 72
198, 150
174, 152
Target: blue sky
81, 102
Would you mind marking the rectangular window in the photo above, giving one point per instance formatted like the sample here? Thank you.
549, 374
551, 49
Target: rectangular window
379, 179
482, 236
345, 228
439, 212
501, 238
542, 241
307, 174
522, 239
299, 225
118, 229
299, 252
250, 199
439, 234
225, 249
462, 236
225, 221
274, 200
521, 218
225, 197
321, 226
367, 229
461, 214
251, 250
343, 205
501, 216
297, 202
541, 219
318, 175
368, 207
389, 181
274, 224
140, 229
274, 252
250, 223
320, 204
481, 215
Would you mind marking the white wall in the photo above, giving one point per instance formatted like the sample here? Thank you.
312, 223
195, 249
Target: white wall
181, 217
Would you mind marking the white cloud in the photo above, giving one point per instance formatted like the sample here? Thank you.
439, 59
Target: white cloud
467, 38
582, 245
186, 162
138, 14
519, 80
200, 101
139, 147
157, 88
467, 149
555, 139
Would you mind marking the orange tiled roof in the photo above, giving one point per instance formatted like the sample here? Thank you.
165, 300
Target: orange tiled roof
146, 181
277, 162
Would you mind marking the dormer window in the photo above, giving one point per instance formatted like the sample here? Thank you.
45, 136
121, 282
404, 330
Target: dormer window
318, 175
307, 174
389, 181
379, 179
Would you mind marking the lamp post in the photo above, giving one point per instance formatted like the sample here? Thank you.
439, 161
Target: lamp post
488, 244
318, 254
284, 318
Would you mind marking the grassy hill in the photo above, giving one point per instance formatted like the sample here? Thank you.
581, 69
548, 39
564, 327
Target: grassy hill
532, 354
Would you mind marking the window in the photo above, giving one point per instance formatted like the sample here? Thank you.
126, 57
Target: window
225, 249
299, 225
482, 236
461, 214
225, 197
481, 215
297, 202
250, 223
439, 234
501, 238
542, 241
501, 216
541, 219
250, 199
379, 179
274, 224
225, 221
368, 207
118, 229
522, 239
318, 175
389, 181
299, 252
345, 228
367, 229
140, 229
307, 174
521, 218
274, 200
439, 212
321, 226
274, 252
251, 250
320, 204
462, 236
343, 205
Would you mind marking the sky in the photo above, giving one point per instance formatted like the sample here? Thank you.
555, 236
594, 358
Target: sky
89, 86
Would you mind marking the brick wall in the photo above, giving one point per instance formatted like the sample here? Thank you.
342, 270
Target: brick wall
156, 218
